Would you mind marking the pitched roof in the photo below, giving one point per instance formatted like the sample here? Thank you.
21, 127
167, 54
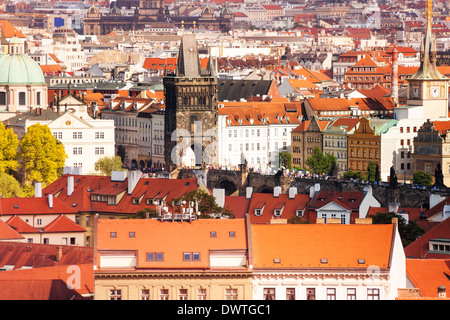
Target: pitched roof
63, 224
341, 245
21, 226
8, 233
32, 206
9, 30
235, 90
428, 274
268, 202
420, 247
173, 239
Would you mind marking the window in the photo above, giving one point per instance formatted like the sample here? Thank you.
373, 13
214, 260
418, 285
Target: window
373, 294
72, 241
39, 222
201, 294
78, 135
132, 234
331, 293
269, 293
155, 256
2, 98
310, 294
115, 294
191, 256
145, 294
351, 294
77, 150
231, 294
99, 135
99, 150
290, 293
258, 212
182, 294
38, 98
213, 234
232, 234
57, 135
164, 294
113, 234
22, 100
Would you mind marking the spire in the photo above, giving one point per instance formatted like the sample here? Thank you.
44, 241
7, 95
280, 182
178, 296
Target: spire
188, 64
428, 69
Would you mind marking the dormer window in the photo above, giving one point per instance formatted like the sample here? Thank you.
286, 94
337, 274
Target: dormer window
299, 213
277, 212
258, 212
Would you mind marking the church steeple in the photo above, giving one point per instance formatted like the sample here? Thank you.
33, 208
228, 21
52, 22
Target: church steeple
428, 69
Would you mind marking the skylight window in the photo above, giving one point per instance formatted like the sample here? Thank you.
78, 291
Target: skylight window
323, 261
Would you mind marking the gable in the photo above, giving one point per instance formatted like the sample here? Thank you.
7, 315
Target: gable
69, 121
333, 206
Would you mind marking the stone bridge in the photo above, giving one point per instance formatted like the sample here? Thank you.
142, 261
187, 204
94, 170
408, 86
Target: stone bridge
235, 182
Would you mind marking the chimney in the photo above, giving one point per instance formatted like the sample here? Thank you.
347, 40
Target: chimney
59, 253
219, 195
276, 192
38, 189
441, 292
248, 192
133, 179
394, 82
292, 192
313, 190
50, 201
70, 185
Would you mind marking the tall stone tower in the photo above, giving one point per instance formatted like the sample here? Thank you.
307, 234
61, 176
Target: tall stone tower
191, 110
428, 87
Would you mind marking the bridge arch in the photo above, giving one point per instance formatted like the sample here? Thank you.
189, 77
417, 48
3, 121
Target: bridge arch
227, 184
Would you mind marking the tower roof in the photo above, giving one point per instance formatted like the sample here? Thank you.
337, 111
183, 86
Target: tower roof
188, 64
428, 69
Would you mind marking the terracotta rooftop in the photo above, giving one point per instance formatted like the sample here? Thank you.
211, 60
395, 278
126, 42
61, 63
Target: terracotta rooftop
428, 274
341, 245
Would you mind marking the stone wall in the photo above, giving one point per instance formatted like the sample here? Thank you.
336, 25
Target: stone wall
235, 182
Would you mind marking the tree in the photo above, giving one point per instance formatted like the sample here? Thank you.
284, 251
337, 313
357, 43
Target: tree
9, 186
319, 163
108, 164
408, 231
8, 149
353, 175
42, 156
206, 202
371, 171
422, 178
285, 160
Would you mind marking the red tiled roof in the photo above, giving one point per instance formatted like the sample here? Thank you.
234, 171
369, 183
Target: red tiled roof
31, 206
269, 203
8, 233
420, 247
21, 226
63, 224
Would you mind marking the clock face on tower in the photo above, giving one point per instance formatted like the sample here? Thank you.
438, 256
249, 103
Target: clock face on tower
435, 92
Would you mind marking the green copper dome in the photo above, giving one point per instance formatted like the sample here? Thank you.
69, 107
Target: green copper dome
19, 69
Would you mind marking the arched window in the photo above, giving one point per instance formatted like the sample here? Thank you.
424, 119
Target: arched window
38, 98
22, 100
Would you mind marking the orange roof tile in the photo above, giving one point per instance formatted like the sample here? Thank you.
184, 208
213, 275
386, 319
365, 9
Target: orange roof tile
63, 224
341, 245
8, 233
428, 274
21, 226
172, 239
9, 30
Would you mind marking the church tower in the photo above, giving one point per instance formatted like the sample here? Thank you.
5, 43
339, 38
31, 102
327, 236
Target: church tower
191, 110
428, 87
